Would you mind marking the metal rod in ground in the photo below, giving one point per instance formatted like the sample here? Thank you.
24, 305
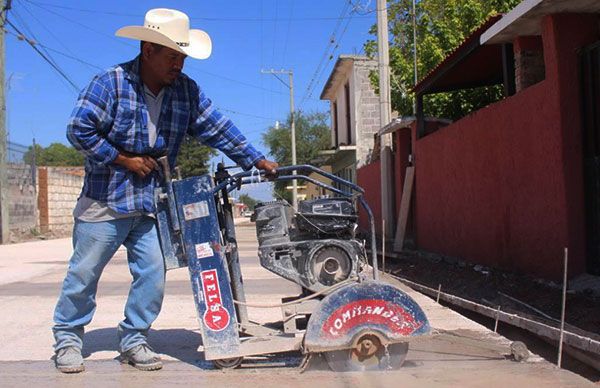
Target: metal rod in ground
383, 245
497, 318
562, 313
437, 299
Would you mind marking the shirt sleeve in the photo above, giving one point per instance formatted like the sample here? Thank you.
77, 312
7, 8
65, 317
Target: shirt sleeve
215, 130
93, 115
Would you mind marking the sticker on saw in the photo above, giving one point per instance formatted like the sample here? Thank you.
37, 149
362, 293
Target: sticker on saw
216, 317
195, 210
204, 250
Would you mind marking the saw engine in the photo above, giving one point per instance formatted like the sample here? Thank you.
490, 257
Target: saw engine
316, 247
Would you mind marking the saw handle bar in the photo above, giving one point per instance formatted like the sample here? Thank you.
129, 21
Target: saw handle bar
235, 181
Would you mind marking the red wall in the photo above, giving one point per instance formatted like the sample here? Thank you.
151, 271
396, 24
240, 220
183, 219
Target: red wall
504, 185
369, 178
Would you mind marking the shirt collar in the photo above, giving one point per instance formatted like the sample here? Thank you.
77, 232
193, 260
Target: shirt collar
132, 73
132, 70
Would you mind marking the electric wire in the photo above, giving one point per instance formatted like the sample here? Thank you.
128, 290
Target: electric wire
60, 42
37, 50
124, 43
333, 40
207, 19
287, 35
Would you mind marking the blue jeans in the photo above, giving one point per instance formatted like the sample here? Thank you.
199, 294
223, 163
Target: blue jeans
94, 244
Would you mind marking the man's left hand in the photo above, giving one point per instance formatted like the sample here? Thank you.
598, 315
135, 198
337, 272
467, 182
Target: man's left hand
270, 167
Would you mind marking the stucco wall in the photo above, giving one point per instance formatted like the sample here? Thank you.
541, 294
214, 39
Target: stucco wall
369, 178
504, 185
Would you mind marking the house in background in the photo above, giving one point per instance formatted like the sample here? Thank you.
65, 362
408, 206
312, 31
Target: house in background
514, 183
354, 108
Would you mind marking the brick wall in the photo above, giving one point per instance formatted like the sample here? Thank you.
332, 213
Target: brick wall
59, 188
529, 61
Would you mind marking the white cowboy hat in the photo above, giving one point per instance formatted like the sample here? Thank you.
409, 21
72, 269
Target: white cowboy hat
170, 28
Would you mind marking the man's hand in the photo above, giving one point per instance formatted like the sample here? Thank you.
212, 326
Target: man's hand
269, 167
142, 165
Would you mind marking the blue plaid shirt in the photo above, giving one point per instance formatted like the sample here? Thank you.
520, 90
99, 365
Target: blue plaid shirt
111, 116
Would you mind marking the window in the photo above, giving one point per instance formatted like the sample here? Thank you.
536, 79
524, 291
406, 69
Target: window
348, 122
335, 124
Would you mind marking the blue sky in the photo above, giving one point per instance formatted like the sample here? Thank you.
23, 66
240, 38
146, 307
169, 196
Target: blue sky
247, 36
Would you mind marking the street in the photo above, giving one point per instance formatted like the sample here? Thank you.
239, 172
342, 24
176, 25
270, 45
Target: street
30, 279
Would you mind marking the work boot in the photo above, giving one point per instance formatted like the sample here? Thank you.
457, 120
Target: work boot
69, 360
142, 357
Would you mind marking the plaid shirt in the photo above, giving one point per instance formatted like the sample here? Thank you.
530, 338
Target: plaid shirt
111, 116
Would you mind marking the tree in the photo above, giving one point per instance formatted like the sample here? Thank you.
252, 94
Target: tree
312, 135
56, 154
442, 25
248, 200
193, 157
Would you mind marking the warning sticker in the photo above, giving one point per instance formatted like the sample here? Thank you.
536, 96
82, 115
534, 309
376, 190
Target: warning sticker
195, 210
204, 250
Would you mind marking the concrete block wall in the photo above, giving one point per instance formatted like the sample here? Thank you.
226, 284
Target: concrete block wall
367, 110
59, 188
22, 199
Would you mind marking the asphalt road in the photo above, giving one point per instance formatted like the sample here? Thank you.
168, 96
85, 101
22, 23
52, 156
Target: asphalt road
30, 278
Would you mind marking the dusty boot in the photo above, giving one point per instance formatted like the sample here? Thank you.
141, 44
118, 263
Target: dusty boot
69, 360
142, 357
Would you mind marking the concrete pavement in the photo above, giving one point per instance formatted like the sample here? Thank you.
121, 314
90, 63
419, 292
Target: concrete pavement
30, 279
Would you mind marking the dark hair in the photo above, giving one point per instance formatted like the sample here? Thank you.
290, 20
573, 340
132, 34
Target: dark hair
157, 47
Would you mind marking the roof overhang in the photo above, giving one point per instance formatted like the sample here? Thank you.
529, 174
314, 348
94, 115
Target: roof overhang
470, 65
525, 18
329, 157
339, 74
407, 122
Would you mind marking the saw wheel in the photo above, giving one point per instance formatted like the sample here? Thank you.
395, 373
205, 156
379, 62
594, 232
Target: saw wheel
228, 363
330, 265
369, 354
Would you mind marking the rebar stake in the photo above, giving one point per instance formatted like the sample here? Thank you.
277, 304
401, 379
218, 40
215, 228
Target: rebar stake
564, 302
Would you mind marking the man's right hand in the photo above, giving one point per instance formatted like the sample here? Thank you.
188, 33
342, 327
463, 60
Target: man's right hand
142, 165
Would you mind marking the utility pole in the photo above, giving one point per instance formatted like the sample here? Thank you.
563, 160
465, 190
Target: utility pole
4, 224
385, 114
414, 20
290, 86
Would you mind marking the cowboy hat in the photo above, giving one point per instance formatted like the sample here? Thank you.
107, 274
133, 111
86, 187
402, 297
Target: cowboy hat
170, 28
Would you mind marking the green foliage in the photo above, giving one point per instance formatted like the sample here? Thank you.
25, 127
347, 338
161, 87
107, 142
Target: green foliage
193, 157
442, 25
56, 154
248, 201
312, 135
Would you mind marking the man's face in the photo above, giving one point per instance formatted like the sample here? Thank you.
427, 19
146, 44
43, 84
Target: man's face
165, 64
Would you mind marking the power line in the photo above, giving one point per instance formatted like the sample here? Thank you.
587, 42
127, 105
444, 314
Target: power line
206, 19
122, 42
287, 35
332, 45
246, 114
54, 66
46, 28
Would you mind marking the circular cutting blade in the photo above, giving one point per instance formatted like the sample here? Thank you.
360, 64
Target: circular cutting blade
355, 360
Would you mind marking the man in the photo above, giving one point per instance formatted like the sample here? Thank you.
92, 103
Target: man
125, 118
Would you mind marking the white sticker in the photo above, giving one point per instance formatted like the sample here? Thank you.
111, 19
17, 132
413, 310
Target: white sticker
195, 210
204, 250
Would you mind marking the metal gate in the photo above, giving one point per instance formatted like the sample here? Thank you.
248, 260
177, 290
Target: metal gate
591, 147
